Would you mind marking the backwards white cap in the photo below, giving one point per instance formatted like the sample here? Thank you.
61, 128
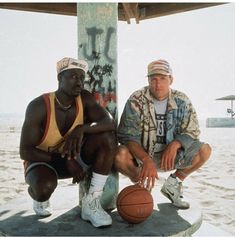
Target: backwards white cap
70, 63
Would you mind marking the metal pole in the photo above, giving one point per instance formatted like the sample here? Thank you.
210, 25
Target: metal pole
232, 109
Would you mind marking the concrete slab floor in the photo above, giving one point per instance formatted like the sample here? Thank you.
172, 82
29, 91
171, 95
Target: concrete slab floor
18, 219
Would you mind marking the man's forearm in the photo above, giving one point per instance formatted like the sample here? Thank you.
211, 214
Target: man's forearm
96, 127
137, 151
35, 154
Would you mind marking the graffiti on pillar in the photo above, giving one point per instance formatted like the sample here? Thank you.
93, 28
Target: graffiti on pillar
110, 31
101, 82
95, 40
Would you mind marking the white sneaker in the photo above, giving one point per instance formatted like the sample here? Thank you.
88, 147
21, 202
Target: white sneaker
93, 212
172, 189
42, 208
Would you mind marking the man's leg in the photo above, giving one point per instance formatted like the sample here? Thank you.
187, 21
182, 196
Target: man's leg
42, 182
199, 159
98, 152
126, 164
172, 188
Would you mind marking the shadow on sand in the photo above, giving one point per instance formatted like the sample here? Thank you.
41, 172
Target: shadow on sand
163, 222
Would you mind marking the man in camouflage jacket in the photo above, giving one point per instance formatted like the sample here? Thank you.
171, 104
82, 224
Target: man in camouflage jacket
159, 130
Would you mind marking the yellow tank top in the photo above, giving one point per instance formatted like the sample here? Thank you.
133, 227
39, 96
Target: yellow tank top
52, 140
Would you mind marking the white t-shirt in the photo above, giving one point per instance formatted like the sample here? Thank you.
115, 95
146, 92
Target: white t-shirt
160, 113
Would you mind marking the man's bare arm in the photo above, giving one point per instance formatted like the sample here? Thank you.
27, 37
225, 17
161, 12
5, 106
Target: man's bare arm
32, 132
96, 120
149, 170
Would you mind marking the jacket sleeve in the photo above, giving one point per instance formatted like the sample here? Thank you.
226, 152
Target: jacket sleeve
189, 130
129, 128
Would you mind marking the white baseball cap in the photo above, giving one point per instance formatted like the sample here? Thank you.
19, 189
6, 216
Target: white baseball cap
71, 63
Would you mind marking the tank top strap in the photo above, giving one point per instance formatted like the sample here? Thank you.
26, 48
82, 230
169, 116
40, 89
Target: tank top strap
79, 114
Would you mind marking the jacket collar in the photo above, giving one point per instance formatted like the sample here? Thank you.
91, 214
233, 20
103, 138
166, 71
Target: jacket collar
171, 99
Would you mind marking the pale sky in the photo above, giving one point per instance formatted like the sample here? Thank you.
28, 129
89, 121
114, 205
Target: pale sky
199, 45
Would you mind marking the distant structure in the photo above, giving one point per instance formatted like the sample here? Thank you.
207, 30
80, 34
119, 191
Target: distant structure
223, 122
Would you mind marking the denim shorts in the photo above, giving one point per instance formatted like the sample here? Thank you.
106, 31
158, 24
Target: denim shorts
183, 158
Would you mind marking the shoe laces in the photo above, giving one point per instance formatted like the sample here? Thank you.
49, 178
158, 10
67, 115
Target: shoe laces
96, 206
42, 205
179, 186
181, 189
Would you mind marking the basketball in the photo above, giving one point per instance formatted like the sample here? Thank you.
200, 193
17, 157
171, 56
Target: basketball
134, 204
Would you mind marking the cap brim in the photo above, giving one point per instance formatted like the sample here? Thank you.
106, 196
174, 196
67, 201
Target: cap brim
72, 67
159, 73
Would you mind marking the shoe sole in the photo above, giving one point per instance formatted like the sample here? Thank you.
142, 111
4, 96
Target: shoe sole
97, 226
43, 215
169, 197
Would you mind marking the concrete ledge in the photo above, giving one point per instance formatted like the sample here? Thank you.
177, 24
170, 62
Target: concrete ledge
17, 218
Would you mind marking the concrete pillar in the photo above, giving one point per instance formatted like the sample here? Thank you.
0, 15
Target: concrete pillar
97, 44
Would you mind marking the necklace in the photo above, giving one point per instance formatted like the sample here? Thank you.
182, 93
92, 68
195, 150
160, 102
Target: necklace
61, 105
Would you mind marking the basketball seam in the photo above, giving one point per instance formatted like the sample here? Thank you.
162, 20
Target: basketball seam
123, 198
132, 204
129, 193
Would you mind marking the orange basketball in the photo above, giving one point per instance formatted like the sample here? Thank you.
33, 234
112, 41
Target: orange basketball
134, 204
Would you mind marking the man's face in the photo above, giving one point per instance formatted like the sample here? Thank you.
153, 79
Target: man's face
159, 86
72, 81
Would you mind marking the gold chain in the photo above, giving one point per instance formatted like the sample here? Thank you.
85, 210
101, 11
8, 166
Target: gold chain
62, 106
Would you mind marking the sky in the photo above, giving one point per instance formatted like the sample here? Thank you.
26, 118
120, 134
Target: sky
199, 45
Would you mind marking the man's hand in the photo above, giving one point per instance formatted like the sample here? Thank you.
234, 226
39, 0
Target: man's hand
73, 143
169, 155
75, 170
149, 172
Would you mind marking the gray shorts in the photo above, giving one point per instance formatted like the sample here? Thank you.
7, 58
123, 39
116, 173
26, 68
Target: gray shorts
183, 159
58, 167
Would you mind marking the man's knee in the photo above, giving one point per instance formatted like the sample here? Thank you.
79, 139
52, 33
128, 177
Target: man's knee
42, 182
42, 189
122, 156
108, 141
205, 152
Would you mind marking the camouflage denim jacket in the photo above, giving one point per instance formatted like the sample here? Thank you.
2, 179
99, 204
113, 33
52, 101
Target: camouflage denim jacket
138, 121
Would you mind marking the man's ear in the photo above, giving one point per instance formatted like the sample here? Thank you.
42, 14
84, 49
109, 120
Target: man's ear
171, 80
59, 77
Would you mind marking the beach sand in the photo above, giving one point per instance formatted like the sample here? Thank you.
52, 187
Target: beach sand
212, 186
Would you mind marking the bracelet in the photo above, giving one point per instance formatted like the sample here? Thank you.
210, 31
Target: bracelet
144, 158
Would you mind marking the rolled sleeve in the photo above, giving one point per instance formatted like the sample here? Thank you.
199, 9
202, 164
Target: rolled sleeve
189, 127
129, 128
185, 140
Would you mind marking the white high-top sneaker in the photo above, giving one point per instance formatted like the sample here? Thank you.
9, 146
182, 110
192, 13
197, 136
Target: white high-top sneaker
172, 189
42, 208
93, 212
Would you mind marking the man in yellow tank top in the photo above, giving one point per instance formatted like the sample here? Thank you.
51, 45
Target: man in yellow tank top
64, 134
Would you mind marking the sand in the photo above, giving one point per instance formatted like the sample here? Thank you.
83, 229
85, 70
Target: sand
212, 186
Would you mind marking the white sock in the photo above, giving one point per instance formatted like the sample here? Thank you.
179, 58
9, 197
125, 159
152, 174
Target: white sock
97, 182
178, 179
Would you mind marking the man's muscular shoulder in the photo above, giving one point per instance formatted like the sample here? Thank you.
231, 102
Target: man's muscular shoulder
87, 98
36, 109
